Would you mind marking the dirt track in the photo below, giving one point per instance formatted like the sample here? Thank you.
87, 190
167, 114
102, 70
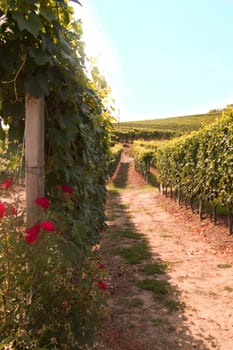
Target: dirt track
199, 258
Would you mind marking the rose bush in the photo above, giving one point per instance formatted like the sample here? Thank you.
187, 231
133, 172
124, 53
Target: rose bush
50, 296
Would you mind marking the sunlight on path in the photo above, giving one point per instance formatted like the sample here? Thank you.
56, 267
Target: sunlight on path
193, 268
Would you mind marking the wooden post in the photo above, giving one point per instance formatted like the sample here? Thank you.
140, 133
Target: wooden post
34, 155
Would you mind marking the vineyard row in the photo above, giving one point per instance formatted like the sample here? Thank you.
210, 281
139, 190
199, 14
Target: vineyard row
196, 168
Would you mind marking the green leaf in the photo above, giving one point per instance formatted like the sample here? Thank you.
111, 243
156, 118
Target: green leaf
32, 23
70, 253
37, 86
48, 44
40, 57
47, 14
64, 95
7, 65
62, 122
12, 109
54, 75
65, 45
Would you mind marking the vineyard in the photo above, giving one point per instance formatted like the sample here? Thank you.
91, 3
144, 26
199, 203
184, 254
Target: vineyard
165, 128
144, 156
181, 123
195, 168
53, 283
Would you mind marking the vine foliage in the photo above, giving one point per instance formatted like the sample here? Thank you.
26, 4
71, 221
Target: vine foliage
198, 166
42, 55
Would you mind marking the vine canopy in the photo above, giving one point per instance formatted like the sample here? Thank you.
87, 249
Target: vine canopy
43, 55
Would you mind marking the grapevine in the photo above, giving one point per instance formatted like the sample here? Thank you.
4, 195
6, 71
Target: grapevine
43, 52
199, 166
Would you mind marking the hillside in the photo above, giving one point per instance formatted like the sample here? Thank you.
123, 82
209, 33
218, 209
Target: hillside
178, 124
163, 128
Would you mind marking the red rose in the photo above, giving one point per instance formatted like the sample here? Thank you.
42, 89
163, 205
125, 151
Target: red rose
2, 210
101, 266
43, 202
67, 189
48, 226
32, 234
102, 285
7, 184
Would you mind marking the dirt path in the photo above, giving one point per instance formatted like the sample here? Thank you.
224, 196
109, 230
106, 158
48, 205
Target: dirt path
198, 311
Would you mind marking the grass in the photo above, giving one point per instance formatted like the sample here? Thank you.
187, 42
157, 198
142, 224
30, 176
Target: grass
174, 305
155, 268
113, 190
159, 288
224, 266
158, 322
122, 206
135, 302
127, 234
134, 254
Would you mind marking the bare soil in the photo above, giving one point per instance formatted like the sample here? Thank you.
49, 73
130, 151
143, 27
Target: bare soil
199, 256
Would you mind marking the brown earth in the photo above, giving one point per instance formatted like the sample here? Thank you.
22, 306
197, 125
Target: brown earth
198, 312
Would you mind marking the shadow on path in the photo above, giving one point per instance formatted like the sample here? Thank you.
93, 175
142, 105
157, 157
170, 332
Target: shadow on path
121, 177
139, 319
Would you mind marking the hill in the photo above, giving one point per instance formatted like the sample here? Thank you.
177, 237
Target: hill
163, 128
179, 124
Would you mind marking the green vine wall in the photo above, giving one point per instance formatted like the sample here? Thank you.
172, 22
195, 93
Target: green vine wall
42, 54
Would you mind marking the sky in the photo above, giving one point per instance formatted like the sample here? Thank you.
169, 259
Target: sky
162, 58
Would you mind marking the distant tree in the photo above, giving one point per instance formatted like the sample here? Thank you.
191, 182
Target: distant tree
215, 110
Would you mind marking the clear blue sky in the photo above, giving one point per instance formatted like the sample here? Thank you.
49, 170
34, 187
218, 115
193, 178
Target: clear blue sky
165, 57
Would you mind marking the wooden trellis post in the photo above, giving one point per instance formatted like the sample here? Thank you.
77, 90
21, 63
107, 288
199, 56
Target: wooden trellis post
34, 155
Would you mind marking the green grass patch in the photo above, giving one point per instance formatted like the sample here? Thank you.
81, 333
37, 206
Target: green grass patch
127, 234
132, 235
224, 266
159, 288
158, 322
174, 305
114, 191
122, 206
155, 268
134, 254
135, 302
